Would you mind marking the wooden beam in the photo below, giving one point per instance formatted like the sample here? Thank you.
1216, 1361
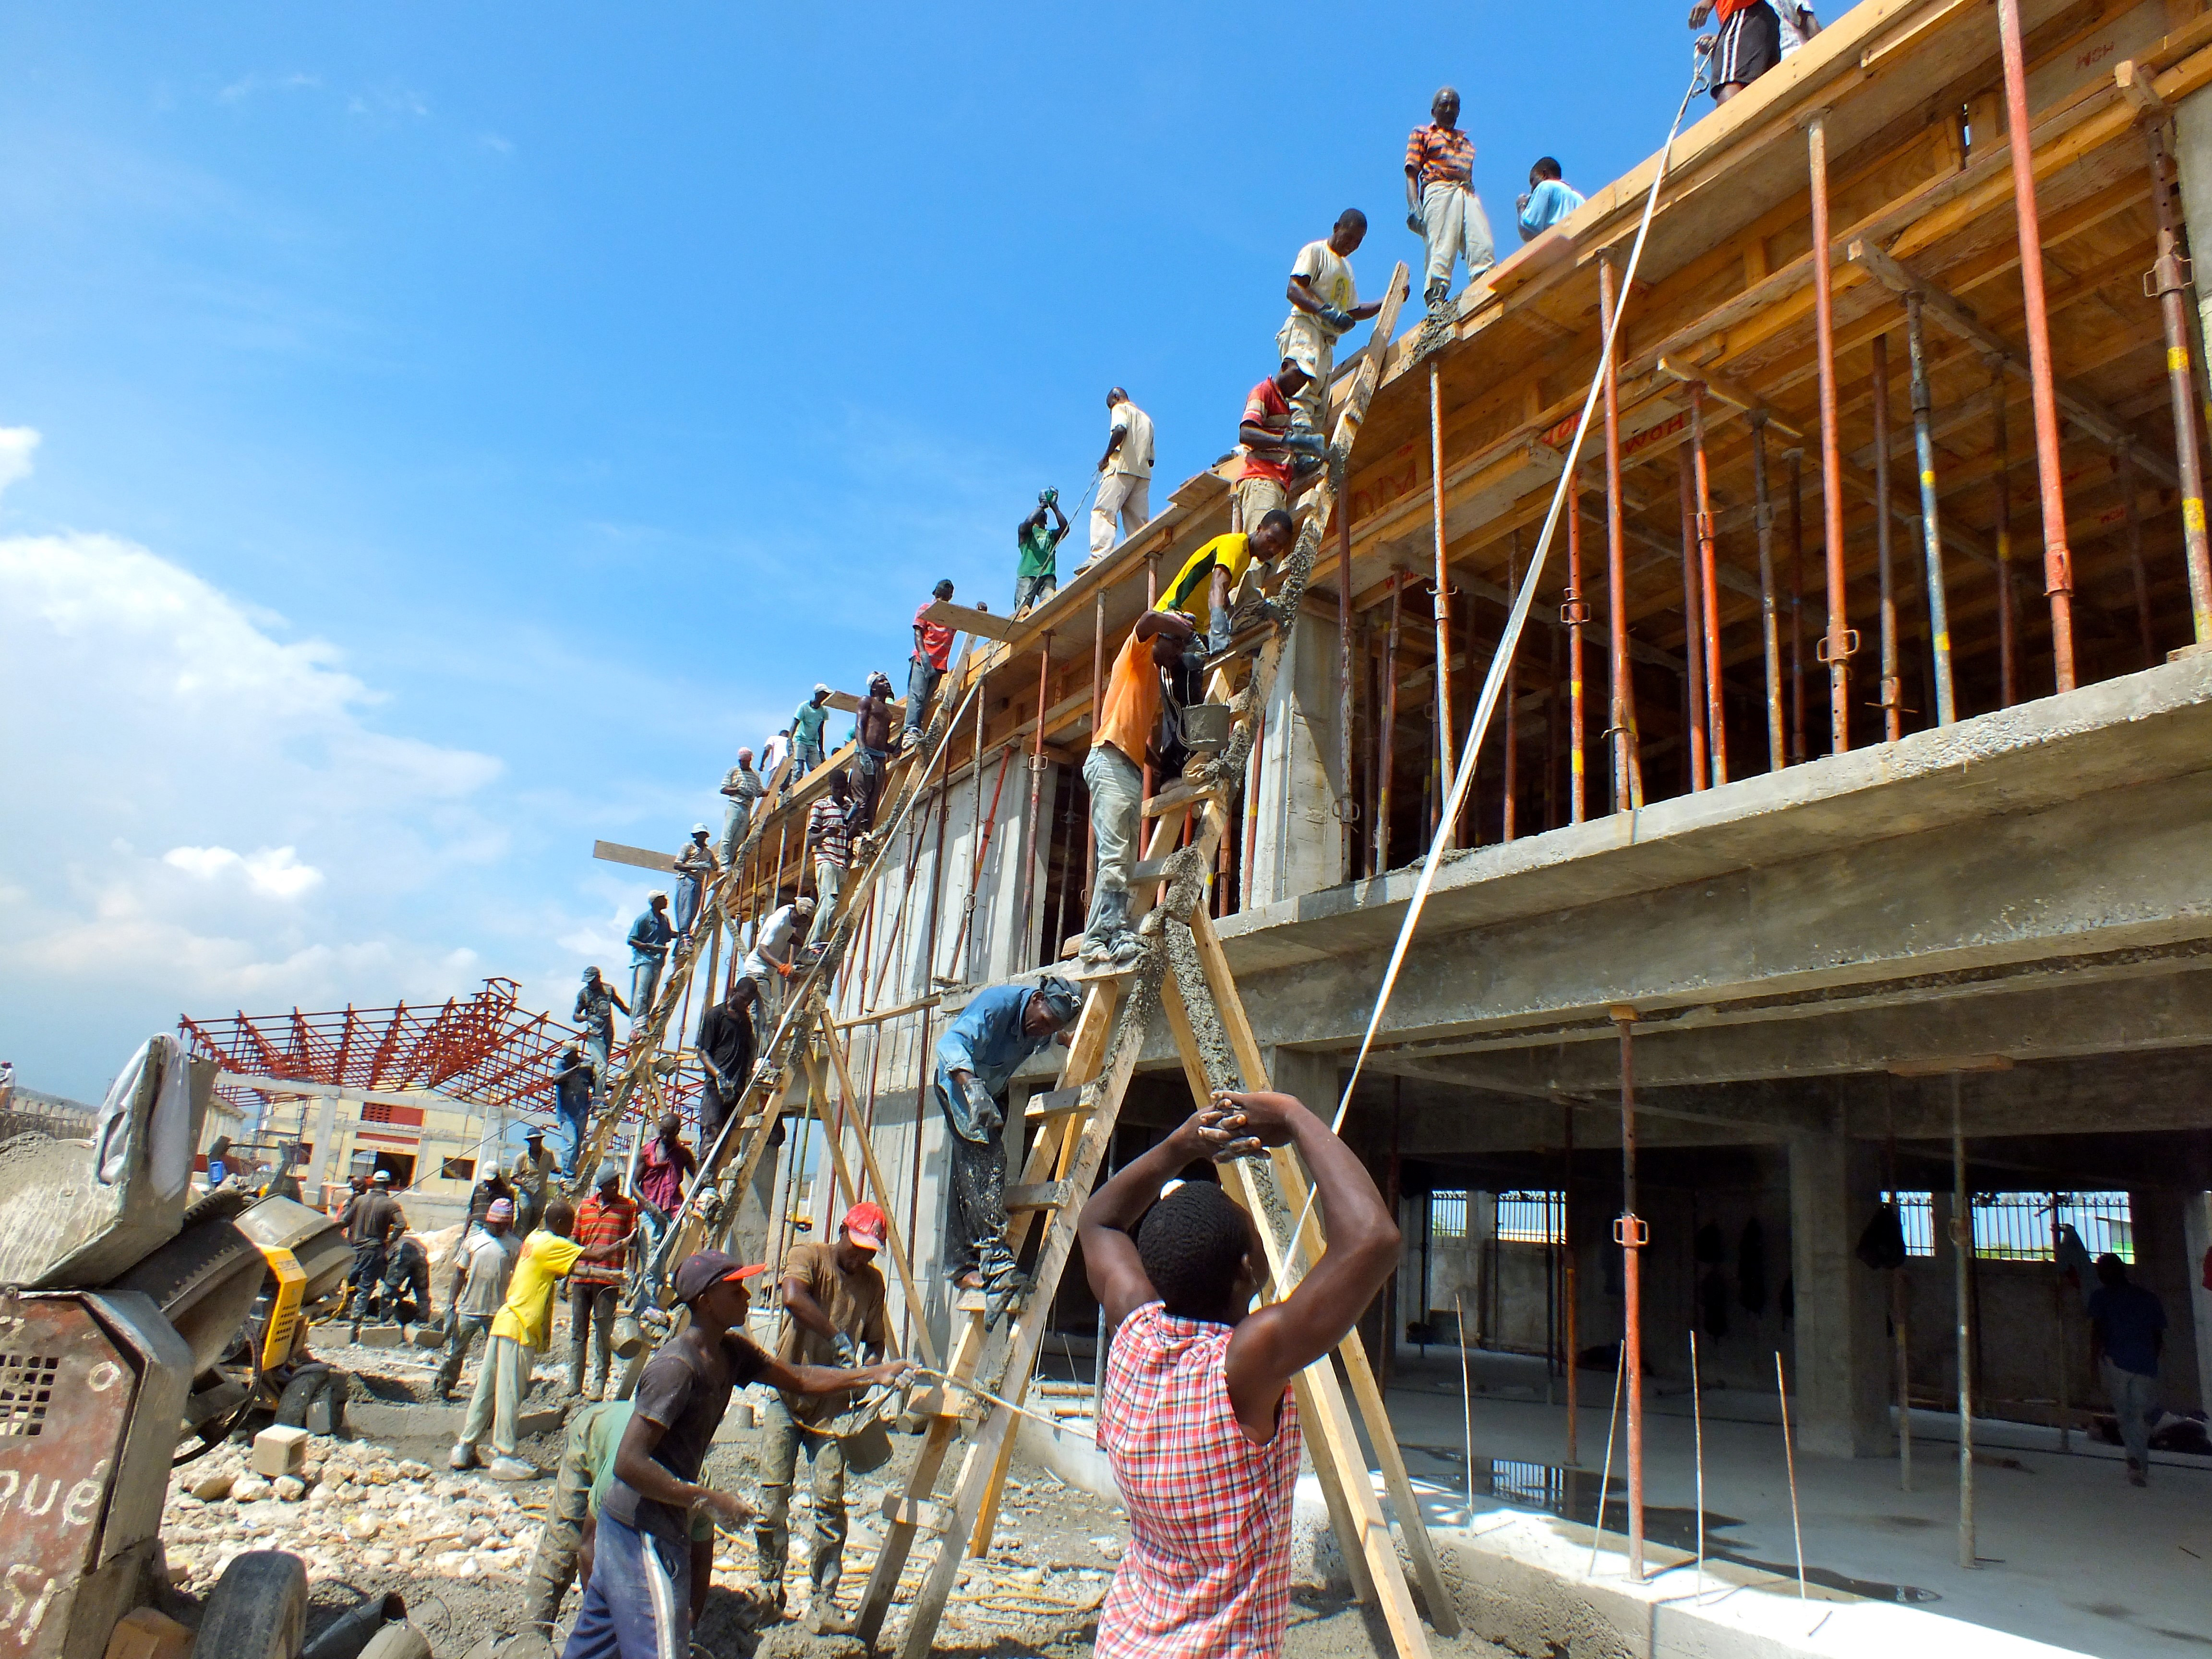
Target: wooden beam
969, 619
643, 858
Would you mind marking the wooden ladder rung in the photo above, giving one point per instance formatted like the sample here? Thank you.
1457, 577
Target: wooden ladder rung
1057, 1103
1179, 793
901, 1510
1041, 1195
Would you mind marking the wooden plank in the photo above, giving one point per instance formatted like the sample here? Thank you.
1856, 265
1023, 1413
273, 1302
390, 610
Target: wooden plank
969, 619
613, 852
1038, 1195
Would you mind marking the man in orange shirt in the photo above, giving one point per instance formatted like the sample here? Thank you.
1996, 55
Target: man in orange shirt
1269, 444
1120, 743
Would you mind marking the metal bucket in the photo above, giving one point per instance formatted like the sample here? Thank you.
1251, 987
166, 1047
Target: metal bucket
629, 1337
870, 1449
1205, 726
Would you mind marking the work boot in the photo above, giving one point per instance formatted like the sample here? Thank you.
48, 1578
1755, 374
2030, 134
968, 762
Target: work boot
1434, 295
463, 1456
514, 1468
1126, 947
824, 1619
771, 1591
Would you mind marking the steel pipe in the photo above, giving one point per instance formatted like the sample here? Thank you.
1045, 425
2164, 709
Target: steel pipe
1388, 740
1797, 752
2169, 275
1709, 581
1575, 612
1892, 700
1932, 527
1444, 592
1512, 679
1693, 653
1627, 786
1840, 642
1769, 624
2001, 483
1630, 1234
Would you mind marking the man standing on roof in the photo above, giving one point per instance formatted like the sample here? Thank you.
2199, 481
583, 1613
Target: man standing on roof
1748, 45
776, 952
693, 866
650, 936
726, 1043
1219, 567
1196, 1418
833, 1317
574, 1082
1125, 474
741, 788
1114, 773
774, 753
872, 749
1263, 486
595, 1013
648, 1575
806, 723
976, 1059
1324, 305
932, 656
1441, 206
1036, 576
595, 1288
1549, 199
831, 843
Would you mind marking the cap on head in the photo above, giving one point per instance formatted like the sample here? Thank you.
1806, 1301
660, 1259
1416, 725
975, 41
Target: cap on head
535, 1138
1062, 998
704, 1269
820, 690
656, 896
501, 1210
700, 830
381, 1178
609, 1175
864, 1224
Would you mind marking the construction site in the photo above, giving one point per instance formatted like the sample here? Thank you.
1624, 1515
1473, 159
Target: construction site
1717, 802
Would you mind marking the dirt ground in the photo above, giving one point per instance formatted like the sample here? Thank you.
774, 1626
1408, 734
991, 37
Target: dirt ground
379, 1512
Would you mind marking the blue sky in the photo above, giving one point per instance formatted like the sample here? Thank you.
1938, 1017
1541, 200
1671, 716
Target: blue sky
438, 436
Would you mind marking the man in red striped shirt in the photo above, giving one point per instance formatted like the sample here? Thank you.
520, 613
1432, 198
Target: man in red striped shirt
594, 1287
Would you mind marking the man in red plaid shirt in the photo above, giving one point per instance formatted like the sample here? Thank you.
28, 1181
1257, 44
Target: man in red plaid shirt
1195, 1417
594, 1287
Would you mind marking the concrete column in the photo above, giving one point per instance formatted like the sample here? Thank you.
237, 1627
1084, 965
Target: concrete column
1296, 848
1312, 1078
2192, 132
2197, 1239
2167, 1267
1841, 1377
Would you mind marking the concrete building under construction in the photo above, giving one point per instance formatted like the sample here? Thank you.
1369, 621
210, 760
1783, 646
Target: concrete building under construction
1847, 802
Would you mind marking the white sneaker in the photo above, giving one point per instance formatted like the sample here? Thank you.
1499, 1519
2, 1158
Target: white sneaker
514, 1468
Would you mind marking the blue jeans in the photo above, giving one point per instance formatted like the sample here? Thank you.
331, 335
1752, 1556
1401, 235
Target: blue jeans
805, 757
638, 1605
735, 818
575, 1114
688, 890
644, 981
921, 679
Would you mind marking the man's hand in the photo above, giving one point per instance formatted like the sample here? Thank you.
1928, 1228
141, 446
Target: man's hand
1699, 12
1413, 223
1270, 1119
1336, 317
848, 1355
729, 1509
1306, 441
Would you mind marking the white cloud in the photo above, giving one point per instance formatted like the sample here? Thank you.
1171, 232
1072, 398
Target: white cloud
17, 445
273, 871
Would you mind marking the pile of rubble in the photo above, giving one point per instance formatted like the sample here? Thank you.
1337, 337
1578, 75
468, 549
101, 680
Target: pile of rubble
344, 1503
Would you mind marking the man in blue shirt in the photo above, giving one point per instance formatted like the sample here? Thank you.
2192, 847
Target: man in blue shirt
2127, 1328
976, 1058
649, 938
575, 1082
1549, 199
806, 723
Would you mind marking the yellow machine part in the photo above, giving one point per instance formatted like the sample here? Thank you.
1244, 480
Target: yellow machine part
285, 1327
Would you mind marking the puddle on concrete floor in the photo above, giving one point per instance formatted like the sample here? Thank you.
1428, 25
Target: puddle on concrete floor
1572, 1494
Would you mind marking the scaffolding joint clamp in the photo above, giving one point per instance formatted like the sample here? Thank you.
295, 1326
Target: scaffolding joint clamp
1824, 653
1576, 612
2170, 273
1632, 1232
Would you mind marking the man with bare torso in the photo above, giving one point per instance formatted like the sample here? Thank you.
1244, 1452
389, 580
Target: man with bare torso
871, 752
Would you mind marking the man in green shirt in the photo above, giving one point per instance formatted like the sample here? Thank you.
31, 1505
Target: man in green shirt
806, 722
1037, 577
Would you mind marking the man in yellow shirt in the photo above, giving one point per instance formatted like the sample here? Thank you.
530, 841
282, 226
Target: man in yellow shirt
1220, 566
1121, 742
519, 1333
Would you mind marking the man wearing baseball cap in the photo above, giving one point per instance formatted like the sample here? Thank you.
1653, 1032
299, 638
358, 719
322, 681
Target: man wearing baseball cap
488, 1251
648, 1578
833, 1315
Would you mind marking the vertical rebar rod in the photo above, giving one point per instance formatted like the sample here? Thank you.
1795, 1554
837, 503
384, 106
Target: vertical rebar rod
1512, 734
1892, 697
1697, 1453
1574, 612
2058, 561
1790, 1460
1622, 725
1567, 1238
1628, 1233
1443, 698
1709, 581
1693, 642
1962, 1246
1769, 624
1797, 753
1932, 525
2124, 466
1467, 1401
2000, 483
1388, 742
1346, 820
2170, 276
1836, 648
1036, 844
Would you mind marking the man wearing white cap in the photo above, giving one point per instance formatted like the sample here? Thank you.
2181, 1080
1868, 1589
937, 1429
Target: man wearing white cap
806, 722
650, 936
487, 1252
693, 865
833, 1315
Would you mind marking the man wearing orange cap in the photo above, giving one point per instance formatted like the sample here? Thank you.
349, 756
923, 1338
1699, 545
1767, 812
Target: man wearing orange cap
833, 1307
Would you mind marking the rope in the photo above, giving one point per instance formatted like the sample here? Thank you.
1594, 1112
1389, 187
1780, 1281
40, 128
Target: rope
999, 1399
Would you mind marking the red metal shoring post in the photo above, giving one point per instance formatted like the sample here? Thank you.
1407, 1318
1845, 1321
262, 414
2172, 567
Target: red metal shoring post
1776, 727
1622, 720
2123, 467
1892, 703
2000, 485
2169, 275
1840, 642
1031, 841
1630, 1234
1796, 458
1575, 612
1555, 718
2058, 561
1370, 672
1444, 697
1709, 578
1346, 847
1388, 743
1512, 738
1693, 611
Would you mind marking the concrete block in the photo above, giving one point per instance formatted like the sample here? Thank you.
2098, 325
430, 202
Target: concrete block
430, 1336
143, 1633
278, 1450
545, 1419
381, 1336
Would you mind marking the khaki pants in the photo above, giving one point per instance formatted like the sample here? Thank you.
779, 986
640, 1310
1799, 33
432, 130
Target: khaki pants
781, 1442
1304, 342
1253, 501
829, 882
1123, 496
496, 1406
1455, 227
553, 1564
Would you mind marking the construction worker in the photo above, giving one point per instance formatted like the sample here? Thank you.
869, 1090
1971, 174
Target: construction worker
932, 656
650, 936
975, 1059
644, 1594
574, 1083
693, 865
1441, 206
1324, 305
2127, 1333
741, 788
830, 841
775, 954
806, 723
595, 1013
725, 1047
1548, 200
520, 1331
1196, 1417
1037, 573
833, 1317
1220, 565
1120, 743
1270, 439
533, 1169
774, 753
488, 1252
1125, 474
1748, 45
872, 748
372, 1220
406, 1286
665, 1165
595, 1288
